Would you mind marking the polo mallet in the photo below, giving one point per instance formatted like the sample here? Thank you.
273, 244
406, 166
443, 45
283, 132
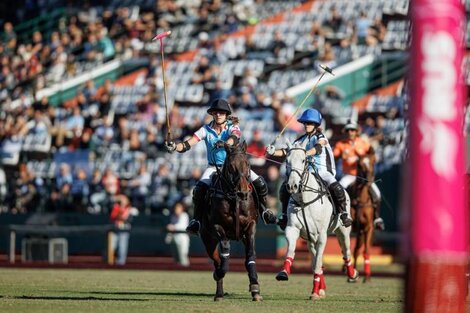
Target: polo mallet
325, 69
161, 36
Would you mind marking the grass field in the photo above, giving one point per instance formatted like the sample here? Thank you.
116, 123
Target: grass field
53, 290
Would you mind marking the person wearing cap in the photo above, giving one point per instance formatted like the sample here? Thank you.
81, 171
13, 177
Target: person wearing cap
350, 149
222, 129
320, 157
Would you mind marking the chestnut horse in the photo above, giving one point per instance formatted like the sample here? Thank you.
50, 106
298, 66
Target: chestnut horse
232, 215
363, 205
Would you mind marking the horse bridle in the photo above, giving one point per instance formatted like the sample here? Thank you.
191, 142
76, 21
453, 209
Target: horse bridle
303, 187
304, 174
230, 183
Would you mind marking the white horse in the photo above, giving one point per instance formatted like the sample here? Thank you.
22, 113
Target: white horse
310, 217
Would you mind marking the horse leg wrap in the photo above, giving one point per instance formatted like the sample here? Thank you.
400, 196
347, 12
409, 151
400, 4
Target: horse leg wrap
316, 284
366, 265
349, 268
254, 288
322, 282
287, 264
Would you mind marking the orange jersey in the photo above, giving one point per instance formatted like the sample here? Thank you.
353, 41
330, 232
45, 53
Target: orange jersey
350, 151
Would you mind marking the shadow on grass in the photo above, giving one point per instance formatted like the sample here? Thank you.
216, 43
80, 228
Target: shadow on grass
74, 298
144, 293
164, 293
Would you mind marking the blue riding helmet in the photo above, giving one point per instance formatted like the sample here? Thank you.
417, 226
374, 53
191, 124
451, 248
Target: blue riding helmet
310, 116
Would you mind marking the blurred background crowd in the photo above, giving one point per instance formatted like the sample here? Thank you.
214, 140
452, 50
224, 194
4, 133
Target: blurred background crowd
76, 153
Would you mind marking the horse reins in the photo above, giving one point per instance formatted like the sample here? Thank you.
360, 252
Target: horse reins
230, 194
304, 178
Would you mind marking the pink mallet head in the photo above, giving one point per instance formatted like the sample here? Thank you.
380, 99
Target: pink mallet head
162, 35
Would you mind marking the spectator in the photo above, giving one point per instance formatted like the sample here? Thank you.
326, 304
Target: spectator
61, 197
121, 216
363, 30
112, 185
98, 197
164, 193
80, 190
277, 44
177, 236
27, 192
139, 187
273, 179
334, 23
256, 149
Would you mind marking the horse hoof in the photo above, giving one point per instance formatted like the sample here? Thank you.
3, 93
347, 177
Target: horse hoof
315, 297
322, 293
257, 297
282, 276
354, 278
218, 298
366, 279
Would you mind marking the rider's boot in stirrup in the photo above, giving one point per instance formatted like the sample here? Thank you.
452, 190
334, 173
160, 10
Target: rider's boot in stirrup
262, 191
378, 221
339, 197
199, 198
284, 197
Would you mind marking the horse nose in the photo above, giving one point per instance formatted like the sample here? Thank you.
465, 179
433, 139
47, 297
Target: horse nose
291, 188
242, 195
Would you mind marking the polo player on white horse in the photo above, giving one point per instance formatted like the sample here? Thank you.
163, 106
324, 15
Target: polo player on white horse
320, 157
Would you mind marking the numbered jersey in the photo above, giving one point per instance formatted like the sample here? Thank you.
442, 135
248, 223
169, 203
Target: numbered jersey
210, 137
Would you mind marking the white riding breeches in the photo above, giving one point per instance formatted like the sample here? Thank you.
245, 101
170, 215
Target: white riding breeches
347, 180
206, 176
327, 177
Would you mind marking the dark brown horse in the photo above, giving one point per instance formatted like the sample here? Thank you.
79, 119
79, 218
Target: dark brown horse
362, 203
232, 215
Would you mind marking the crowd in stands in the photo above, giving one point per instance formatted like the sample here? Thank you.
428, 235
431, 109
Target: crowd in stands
78, 155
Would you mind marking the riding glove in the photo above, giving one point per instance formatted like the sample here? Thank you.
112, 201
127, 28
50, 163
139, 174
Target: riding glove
270, 150
170, 146
219, 144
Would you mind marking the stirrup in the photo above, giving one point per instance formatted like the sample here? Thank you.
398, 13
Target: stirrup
346, 220
269, 217
193, 227
379, 224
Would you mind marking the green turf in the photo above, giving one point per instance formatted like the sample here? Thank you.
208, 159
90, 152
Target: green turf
40, 290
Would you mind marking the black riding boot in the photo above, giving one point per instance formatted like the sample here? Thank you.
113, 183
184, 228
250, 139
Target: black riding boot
378, 221
339, 197
199, 199
262, 192
284, 197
